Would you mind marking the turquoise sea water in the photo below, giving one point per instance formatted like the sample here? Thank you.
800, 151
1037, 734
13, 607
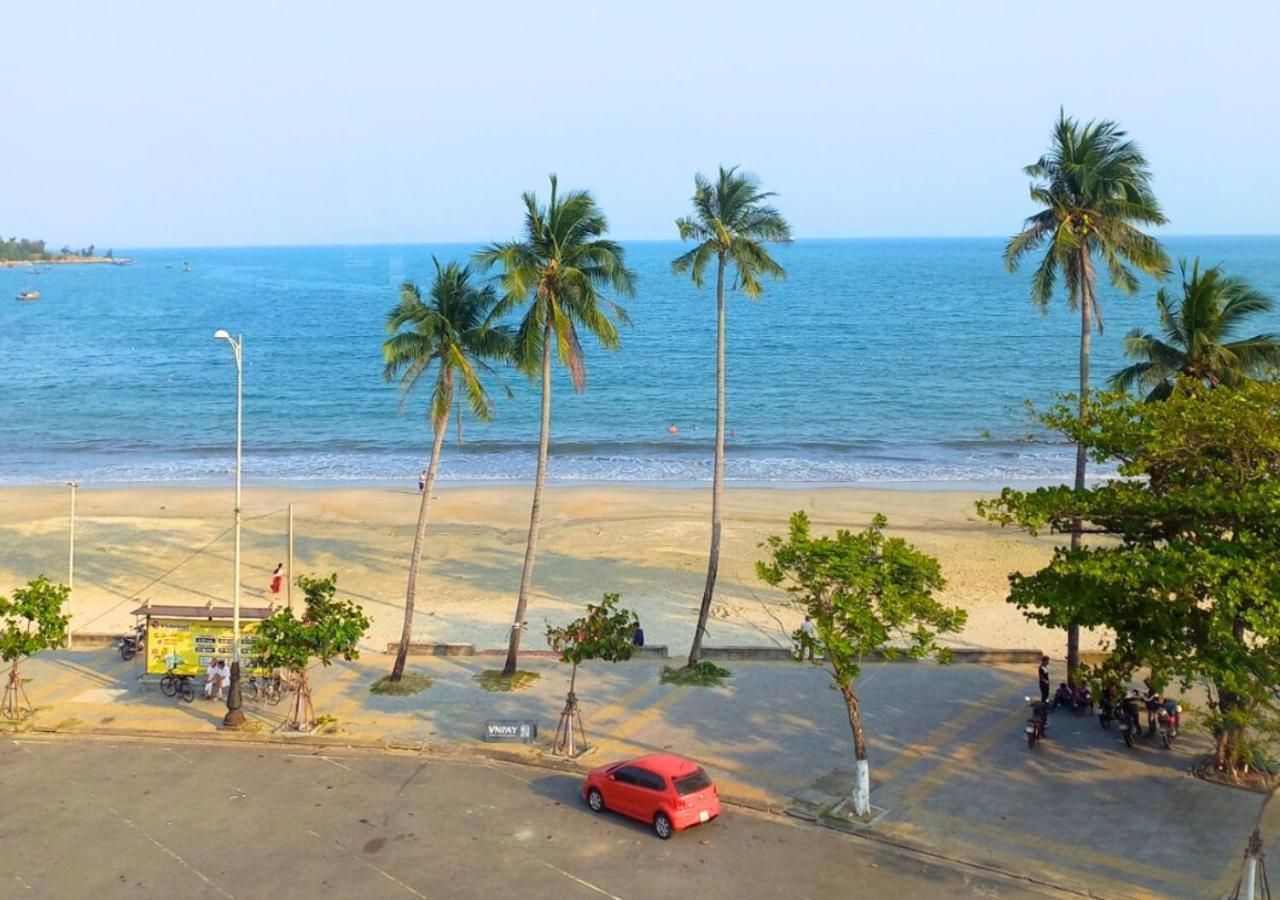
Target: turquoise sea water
875, 362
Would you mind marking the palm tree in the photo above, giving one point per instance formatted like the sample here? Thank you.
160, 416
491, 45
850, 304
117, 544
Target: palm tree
448, 330
1094, 185
1212, 306
731, 221
557, 271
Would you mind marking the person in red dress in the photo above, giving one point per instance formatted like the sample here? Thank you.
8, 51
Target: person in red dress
277, 579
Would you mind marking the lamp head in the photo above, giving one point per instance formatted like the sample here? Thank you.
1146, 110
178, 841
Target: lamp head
221, 335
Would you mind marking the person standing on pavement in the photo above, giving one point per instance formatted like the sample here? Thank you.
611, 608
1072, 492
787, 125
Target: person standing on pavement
808, 636
277, 580
1044, 679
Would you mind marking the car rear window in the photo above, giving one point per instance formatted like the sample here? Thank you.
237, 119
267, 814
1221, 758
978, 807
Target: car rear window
691, 784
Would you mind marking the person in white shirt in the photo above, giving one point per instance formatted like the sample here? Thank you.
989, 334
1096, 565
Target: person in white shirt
210, 676
809, 634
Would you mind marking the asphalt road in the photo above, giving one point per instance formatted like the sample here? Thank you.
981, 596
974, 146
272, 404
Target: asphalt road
103, 819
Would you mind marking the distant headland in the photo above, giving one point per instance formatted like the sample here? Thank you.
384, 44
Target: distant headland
25, 252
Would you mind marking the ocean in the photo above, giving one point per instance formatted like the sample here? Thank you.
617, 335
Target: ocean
876, 362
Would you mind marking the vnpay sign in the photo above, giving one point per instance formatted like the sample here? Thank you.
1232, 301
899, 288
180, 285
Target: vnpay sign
510, 730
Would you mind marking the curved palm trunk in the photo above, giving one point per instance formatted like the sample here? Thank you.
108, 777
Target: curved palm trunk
717, 476
419, 538
1082, 459
535, 512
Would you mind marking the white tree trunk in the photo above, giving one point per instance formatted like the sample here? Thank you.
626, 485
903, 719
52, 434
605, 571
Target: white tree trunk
861, 794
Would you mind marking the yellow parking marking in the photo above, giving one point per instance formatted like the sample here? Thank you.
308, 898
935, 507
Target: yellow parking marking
941, 737
610, 710
650, 712
953, 825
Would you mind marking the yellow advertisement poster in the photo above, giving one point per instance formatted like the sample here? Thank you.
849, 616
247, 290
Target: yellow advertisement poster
188, 645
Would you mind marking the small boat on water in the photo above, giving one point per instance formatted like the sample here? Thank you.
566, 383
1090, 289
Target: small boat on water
29, 296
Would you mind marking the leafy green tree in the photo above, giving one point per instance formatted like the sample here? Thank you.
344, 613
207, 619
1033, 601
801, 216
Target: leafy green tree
866, 594
1195, 329
33, 620
1094, 185
329, 628
557, 272
731, 223
605, 632
445, 335
1189, 582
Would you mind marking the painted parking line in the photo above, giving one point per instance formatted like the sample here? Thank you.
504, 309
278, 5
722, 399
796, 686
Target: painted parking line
944, 736
610, 711
649, 713
1125, 867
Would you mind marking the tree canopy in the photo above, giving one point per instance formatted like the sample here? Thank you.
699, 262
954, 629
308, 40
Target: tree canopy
1094, 185
731, 221
329, 628
33, 619
1189, 580
1194, 332
605, 632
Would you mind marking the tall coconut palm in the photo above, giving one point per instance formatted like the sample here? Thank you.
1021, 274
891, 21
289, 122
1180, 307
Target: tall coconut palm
1094, 185
557, 272
447, 331
1195, 328
731, 222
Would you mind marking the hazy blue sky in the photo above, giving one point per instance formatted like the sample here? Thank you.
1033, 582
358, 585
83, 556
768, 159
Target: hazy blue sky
269, 122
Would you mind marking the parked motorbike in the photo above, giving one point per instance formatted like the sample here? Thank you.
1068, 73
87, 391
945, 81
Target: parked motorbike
1038, 723
130, 644
1168, 717
1130, 718
1108, 708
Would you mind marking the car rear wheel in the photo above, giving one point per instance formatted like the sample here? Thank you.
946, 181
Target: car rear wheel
662, 826
595, 800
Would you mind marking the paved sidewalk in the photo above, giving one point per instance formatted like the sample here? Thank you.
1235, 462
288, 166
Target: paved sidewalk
950, 767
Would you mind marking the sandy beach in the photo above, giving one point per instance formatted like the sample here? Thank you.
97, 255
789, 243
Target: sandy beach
174, 544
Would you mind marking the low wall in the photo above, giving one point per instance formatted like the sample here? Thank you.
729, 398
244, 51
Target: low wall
434, 649
88, 640
424, 649
759, 653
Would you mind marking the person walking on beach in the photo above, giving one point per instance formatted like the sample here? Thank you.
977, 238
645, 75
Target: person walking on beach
422, 482
1044, 679
277, 580
808, 636
637, 636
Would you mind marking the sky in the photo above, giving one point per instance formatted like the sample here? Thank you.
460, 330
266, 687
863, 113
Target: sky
135, 124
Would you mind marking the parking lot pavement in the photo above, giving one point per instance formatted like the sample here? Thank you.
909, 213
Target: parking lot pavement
115, 818
950, 768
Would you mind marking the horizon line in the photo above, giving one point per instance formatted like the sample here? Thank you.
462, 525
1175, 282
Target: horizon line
624, 240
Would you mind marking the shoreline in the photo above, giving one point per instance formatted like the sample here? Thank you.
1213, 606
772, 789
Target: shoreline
77, 261
173, 543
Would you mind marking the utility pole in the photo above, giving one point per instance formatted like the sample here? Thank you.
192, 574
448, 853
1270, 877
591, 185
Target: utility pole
71, 553
235, 715
288, 583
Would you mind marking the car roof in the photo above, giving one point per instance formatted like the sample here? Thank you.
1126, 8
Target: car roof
665, 764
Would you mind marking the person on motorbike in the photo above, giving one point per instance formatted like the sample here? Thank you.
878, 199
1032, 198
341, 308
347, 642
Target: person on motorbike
1151, 697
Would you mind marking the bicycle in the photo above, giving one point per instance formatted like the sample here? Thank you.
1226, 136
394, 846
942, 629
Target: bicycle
175, 685
268, 688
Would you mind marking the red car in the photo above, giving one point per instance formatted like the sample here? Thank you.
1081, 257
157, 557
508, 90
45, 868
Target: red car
669, 792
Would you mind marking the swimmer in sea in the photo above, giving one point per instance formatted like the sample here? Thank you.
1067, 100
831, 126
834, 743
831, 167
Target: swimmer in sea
673, 430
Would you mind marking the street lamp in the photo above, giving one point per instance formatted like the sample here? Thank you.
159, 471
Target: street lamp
235, 716
71, 550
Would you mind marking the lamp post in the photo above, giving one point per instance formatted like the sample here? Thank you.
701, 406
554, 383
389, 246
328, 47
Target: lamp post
71, 551
235, 715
